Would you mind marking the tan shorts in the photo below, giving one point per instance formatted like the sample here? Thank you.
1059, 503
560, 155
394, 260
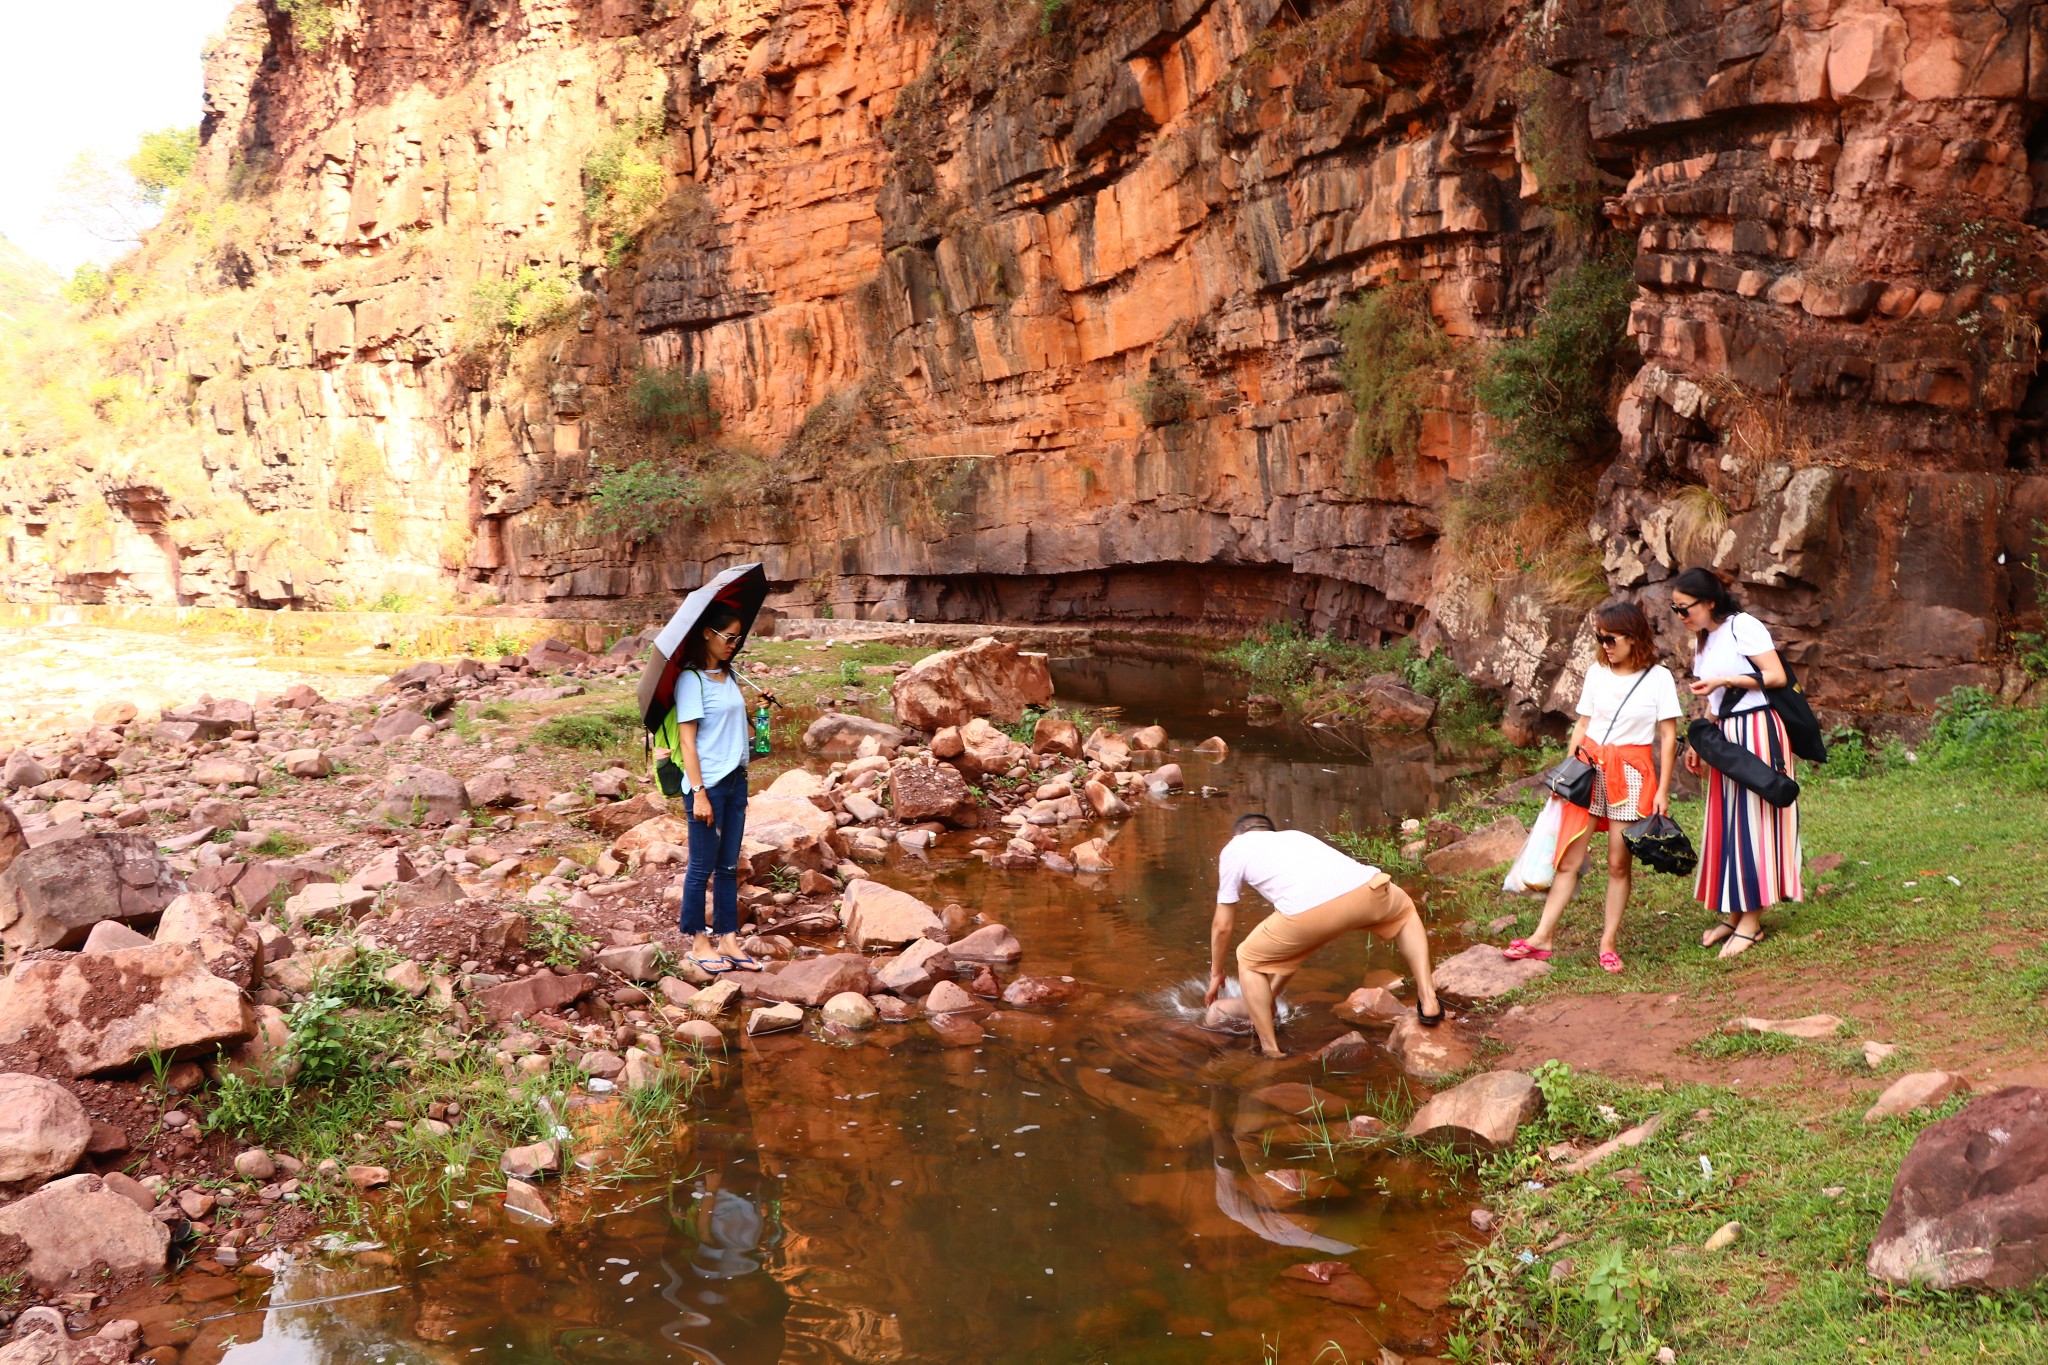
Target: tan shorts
1281, 943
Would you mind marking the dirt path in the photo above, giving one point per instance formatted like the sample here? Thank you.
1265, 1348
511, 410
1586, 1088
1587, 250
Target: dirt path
52, 677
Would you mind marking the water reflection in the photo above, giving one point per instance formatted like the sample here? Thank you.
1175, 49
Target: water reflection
1102, 1180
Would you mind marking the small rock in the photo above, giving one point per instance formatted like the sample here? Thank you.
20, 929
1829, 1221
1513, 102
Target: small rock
700, 1033
1481, 972
255, 1164
948, 998
308, 763
1811, 1026
775, 1019
1920, 1090
990, 943
850, 1009
368, 1177
1485, 1111
1482, 1220
43, 1129
1370, 1005
1876, 1054
957, 1030
524, 1200
715, 999
524, 1163
1723, 1238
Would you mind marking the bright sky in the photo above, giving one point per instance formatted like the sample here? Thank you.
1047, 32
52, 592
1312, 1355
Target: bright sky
88, 78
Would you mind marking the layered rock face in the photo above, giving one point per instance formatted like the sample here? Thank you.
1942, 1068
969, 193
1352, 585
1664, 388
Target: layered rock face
1030, 315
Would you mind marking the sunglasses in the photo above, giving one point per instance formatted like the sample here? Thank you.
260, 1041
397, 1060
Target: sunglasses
1607, 641
726, 635
1678, 610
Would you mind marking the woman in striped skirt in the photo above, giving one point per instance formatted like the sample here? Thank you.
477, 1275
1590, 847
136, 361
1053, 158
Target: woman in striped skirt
1749, 852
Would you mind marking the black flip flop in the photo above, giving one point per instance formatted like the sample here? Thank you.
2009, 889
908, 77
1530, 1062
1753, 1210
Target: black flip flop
1430, 1020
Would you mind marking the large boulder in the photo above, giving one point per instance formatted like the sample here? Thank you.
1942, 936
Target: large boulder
814, 980
399, 724
990, 943
789, 831
1969, 1207
1056, 735
878, 916
661, 829
1483, 972
929, 791
52, 895
73, 1227
43, 1129
1428, 1054
1383, 702
837, 735
92, 1013
1498, 843
988, 678
1484, 1112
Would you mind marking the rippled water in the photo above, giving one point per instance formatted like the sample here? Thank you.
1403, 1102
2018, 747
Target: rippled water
1094, 1182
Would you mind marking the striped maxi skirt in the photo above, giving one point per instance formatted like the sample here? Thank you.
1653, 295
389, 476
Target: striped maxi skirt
1749, 851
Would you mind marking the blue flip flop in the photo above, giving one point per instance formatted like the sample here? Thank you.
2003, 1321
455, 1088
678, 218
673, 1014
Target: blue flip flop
715, 964
746, 962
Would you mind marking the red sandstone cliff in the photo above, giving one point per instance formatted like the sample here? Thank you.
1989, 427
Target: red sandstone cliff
940, 265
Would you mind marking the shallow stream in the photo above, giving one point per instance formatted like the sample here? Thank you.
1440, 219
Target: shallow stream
1092, 1182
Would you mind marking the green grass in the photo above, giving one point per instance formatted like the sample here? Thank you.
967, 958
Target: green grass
1791, 1289
1926, 935
279, 844
599, 730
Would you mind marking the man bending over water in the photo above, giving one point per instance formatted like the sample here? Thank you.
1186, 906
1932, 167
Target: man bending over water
1318, 895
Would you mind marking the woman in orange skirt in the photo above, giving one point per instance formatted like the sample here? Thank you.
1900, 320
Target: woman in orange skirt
1630, 701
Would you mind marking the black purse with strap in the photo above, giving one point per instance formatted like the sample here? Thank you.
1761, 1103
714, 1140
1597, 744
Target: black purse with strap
1572, 780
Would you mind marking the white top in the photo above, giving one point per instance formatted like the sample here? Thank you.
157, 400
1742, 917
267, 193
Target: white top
721, 715
1726, 654
1292, 869
1655, 698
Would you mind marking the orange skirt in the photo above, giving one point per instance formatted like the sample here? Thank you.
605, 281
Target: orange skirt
1622, 773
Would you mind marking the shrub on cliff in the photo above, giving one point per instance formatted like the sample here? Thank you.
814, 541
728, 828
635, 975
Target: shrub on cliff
623, 182
641, 498
1394, 358
312, 21
162, 161
1550, 392
532, 300
674, 404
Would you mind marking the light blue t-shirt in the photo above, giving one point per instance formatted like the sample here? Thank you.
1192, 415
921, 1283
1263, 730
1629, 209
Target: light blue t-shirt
721, 715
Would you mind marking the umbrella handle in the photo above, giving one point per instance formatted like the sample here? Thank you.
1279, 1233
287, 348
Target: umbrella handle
766, 695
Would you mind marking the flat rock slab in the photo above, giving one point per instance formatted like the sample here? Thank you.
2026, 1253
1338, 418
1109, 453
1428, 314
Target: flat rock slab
1811, 1026
101, 1012
1920, 1090
1498, 843
1428, 1054
1484, 1112
76, 1224
1482, 972
1969, 1208
990, 943
775, 1019
531, 995
813, 981
878, 916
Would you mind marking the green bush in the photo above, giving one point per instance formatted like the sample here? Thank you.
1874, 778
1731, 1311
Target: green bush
1394, 356
1549, 392
623, 180
639, 499
1320, 671
312, 21
88, 285
594, 730
1165, 398
1975, 732
162, 160
674, 404
532, 300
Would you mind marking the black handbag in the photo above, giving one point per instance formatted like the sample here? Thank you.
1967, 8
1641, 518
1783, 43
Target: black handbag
1802, 727
1739, 765
1572, 780
1659, 844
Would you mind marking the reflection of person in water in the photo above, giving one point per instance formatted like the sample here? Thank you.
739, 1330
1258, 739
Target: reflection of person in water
1318, 895
1239, 1198
732, 1309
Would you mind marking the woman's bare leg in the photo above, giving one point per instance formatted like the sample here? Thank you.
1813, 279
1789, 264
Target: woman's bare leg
1620, 874
1563, 886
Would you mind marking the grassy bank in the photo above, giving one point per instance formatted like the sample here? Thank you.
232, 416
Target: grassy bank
1926, 911
1320, 676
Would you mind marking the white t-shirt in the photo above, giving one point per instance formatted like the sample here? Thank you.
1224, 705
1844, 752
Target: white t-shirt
1726, 654
1655, 698
1292, 869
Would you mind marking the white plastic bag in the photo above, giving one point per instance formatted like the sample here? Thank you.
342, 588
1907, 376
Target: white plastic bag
1534, 867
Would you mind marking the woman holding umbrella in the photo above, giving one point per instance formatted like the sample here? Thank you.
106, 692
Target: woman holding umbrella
691, 698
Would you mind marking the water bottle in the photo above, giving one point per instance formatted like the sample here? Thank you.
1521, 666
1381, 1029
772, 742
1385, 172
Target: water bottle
761, 729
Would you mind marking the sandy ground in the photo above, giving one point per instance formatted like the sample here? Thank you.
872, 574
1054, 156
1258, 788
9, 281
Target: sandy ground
52, 677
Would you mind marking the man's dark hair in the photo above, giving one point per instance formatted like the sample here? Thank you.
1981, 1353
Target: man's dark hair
1251, 820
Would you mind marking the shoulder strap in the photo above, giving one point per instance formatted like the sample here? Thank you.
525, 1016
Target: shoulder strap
1615, 719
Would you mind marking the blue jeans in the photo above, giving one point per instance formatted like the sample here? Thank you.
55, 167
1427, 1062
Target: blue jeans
715, 856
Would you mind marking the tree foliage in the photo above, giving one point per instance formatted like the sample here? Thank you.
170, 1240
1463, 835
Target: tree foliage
162, 161
1550, 392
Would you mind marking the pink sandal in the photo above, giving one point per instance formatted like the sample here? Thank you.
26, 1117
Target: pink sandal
1610, 962
1520, 949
